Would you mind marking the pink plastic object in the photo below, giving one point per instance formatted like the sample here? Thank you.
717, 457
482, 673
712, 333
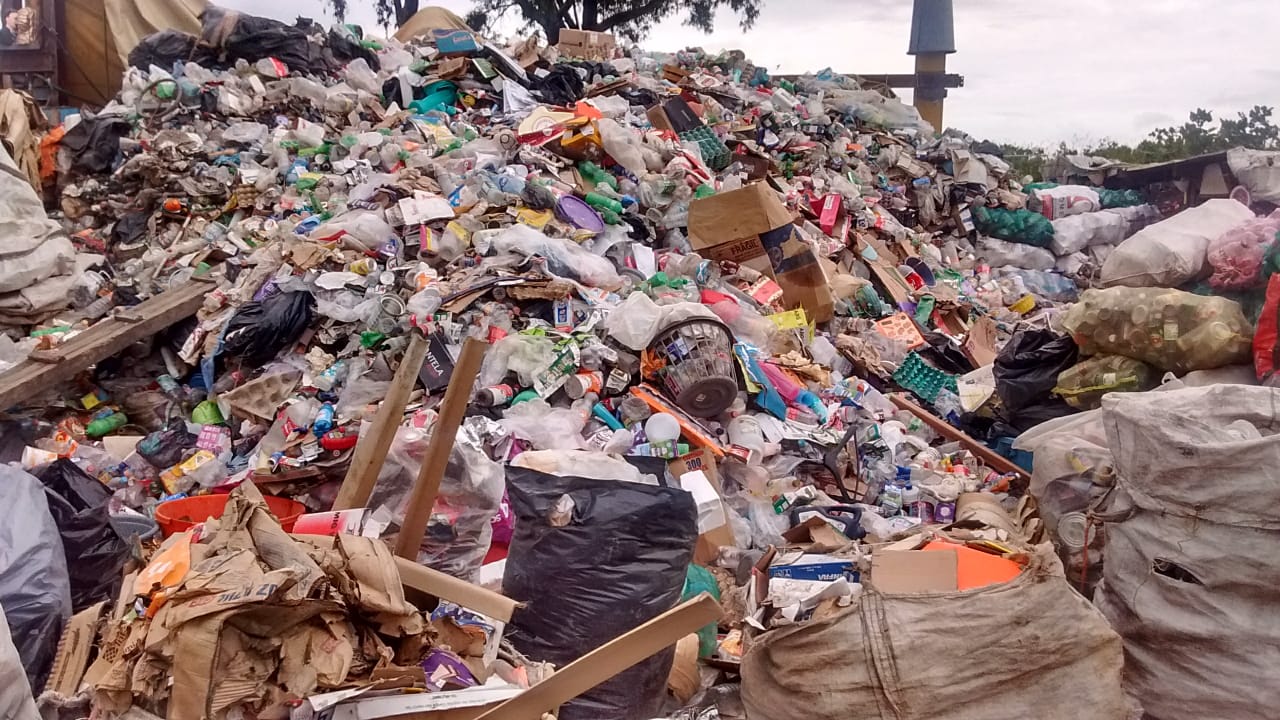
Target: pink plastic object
1237, 255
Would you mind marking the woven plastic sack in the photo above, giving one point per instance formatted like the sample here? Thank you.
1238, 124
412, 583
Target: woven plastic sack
1168, 329
1172, 252
1084, 384
1077, 232
1191, 570
998, 253
1021, 226
1061, 201
911, 656
1237, 256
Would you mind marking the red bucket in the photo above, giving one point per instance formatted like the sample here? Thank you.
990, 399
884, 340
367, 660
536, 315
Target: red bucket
176, 516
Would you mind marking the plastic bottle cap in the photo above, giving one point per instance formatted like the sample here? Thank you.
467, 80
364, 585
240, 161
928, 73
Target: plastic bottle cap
662, 427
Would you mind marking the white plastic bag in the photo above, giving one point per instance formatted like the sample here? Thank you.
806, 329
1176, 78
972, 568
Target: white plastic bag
1172, 252
999, 253
1075, 233
564, 258
1064, 200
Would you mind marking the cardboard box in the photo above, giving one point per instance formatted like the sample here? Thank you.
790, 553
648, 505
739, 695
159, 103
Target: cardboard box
587, 44
752, 227
455, 42
709, 542
810, 566
914, 571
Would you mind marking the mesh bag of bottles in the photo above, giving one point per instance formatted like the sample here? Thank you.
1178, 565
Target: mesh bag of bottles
1119, 198
1021, 226
1169, 329
1238, 255
1083, 385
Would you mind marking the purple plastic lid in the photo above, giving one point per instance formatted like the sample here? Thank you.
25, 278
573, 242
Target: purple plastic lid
575, 210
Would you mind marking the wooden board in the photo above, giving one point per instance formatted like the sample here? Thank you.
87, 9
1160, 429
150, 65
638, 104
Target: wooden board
427, 486
608, 660
106, 338
373, 444
993, 460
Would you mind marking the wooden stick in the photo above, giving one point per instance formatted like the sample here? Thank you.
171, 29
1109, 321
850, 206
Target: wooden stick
608, 660
447, 587
942, 427
436, 459
371, 448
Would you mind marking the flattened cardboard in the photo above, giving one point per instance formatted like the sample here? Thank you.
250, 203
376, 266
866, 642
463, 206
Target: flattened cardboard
438, 366
752, 227
72, 660
980, 346
914, 571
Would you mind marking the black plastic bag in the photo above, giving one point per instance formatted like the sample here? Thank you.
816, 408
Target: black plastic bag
94, 144
164, 448
34, 590
248, 37
1026, 371
95, 553
615, 558
259, 330
167, 47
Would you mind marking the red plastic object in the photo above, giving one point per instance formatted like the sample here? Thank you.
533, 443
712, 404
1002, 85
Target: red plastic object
178, 515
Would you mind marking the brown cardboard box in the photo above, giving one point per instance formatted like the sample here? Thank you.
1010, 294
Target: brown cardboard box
710, 542
752, 227
587, 44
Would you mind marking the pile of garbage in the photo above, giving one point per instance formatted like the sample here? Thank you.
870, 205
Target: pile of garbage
771, 341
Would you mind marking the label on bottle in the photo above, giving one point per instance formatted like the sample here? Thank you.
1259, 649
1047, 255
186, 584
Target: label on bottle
1170, 330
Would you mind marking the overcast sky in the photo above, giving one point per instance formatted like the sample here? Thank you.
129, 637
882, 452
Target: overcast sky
1035, 72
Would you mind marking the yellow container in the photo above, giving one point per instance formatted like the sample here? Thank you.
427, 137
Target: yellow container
1025, 304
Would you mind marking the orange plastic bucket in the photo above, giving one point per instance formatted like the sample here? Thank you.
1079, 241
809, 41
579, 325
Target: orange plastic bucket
178, 515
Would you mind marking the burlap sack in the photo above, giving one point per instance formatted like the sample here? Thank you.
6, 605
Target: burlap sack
1028, 648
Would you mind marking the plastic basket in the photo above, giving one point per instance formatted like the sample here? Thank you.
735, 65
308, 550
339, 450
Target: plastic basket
693, 362
176, 516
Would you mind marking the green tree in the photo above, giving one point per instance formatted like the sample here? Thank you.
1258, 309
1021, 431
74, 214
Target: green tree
1198, 136
631, 19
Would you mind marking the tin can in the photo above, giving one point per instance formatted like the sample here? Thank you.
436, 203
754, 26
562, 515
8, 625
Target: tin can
364, 266
582, 383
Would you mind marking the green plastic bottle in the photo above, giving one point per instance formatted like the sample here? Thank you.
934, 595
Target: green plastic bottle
600, 202
105, 425
597, 174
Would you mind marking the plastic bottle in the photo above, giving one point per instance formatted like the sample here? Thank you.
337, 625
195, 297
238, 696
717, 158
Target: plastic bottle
597, 174
601, 202
105, 425
745, 432
911, 500
324, 420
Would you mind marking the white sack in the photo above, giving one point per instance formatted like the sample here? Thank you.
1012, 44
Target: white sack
1172, 252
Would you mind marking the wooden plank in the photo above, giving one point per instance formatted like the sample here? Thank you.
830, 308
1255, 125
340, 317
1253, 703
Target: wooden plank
371, 448
461, 592
942, 427
101, 341
608, 660
427, 486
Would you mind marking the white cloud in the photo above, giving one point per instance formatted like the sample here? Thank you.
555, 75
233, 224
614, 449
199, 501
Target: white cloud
1035, 72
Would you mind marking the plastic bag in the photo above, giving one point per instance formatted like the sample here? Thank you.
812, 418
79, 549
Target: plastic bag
1075, 233
1060, 201
35, 590
1026, 371
545, 427
1083, 385
1172, 252
259, 330
593, 559
1266, 341
95, 553
1022, 226
1237, 256
1119, 198
1048, 285
563, 258
245, 133
1168, 329
998, 252
459, 531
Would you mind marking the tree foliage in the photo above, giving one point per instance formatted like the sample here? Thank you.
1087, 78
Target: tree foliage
1198, 136
631, 19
